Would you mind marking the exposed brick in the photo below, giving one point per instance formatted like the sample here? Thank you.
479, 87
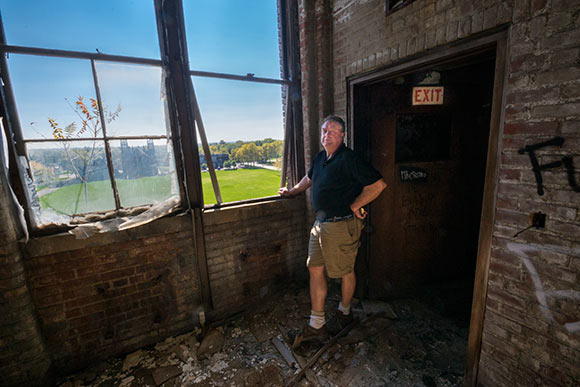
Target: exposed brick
490, 17
570, 127
558, 76
562, 110
538, 6
538, 95
521, 10
502, 202
563, 5
559, 21
564, 39
570, 91
464, 27
506, 298
569, 229
553, 210
512, 144
509, 174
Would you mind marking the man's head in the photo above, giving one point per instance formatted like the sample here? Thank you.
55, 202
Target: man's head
332, 133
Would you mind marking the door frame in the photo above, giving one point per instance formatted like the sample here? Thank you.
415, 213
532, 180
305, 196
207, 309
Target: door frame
497, 40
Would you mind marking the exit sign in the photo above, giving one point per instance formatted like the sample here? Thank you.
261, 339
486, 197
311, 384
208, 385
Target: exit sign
428, 95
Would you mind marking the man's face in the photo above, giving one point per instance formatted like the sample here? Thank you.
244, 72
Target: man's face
331, 136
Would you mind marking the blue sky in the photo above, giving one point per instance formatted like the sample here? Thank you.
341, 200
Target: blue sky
227, 36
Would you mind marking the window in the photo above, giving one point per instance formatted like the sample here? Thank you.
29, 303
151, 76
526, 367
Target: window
78, 164
236, 73
92, 131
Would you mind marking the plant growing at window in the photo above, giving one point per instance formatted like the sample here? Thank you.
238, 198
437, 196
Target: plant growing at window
82, 159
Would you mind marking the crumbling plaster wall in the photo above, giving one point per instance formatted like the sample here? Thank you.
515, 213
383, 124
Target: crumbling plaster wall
531, 329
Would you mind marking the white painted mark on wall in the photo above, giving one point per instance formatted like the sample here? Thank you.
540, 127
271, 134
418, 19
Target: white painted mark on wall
542, 295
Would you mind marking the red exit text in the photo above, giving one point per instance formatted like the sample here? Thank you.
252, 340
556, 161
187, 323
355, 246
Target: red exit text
428, 95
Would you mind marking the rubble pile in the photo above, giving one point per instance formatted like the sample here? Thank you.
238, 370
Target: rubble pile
405, 342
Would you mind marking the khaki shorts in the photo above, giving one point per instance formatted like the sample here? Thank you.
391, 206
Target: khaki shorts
334, 245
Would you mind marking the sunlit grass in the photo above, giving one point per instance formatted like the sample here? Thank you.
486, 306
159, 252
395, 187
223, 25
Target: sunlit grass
240, 184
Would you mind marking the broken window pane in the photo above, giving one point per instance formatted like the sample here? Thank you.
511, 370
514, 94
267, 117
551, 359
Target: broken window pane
110, 26
235, 37
50, 94
144, 171
70, 177
131, 95
244, 127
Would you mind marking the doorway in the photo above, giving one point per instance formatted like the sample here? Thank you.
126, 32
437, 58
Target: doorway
423, 230
432, 227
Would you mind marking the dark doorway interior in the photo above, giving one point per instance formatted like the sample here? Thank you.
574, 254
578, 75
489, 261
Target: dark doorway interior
422, 233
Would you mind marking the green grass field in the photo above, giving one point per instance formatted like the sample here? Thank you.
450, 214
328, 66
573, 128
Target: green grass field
240, 184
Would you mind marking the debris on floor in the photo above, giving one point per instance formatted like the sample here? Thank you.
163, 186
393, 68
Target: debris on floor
401, 343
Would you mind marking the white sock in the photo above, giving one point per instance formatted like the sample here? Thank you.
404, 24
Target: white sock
344, 309
317, 319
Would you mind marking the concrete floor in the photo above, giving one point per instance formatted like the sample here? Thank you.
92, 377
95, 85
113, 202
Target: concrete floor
412, 342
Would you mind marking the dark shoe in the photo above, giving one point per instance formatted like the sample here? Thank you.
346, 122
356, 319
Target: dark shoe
309, 333
344, 319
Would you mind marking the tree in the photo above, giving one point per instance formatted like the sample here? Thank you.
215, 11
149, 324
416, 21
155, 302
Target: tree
247, 153
271, 150
81, 159
43, 173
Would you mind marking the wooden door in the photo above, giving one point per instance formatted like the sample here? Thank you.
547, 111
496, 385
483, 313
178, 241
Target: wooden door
424, 227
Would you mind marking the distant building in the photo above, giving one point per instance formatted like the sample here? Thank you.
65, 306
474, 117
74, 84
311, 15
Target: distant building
138, 161
218, 159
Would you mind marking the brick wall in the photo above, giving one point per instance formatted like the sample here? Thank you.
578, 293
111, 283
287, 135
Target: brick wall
316, 65
255, 250
532, 320
116, 292
23, 358
531, 330
113, 292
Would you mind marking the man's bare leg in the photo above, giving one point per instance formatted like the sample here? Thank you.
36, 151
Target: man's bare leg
316, 329
318, 288
347, 287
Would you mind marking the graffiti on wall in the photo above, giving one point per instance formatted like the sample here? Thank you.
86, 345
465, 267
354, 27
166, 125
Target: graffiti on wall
566, 161
546, 298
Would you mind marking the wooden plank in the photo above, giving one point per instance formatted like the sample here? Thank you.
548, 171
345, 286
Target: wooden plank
319, 353
487, 218
285, 151
104, 131
171, 30
285, 352
206, 151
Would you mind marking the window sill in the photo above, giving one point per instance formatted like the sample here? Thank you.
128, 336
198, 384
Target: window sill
241, 203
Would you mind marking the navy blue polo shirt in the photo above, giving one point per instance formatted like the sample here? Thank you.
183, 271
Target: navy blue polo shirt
337, 182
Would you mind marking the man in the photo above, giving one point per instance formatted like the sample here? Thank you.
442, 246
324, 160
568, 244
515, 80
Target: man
341, 185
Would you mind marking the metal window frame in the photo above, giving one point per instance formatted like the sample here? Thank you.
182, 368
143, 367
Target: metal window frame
290, 80
16, 129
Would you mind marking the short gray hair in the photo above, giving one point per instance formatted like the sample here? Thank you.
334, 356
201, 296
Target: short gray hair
336, 119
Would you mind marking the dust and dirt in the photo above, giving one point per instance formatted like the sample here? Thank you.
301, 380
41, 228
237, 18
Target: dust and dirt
408, 342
